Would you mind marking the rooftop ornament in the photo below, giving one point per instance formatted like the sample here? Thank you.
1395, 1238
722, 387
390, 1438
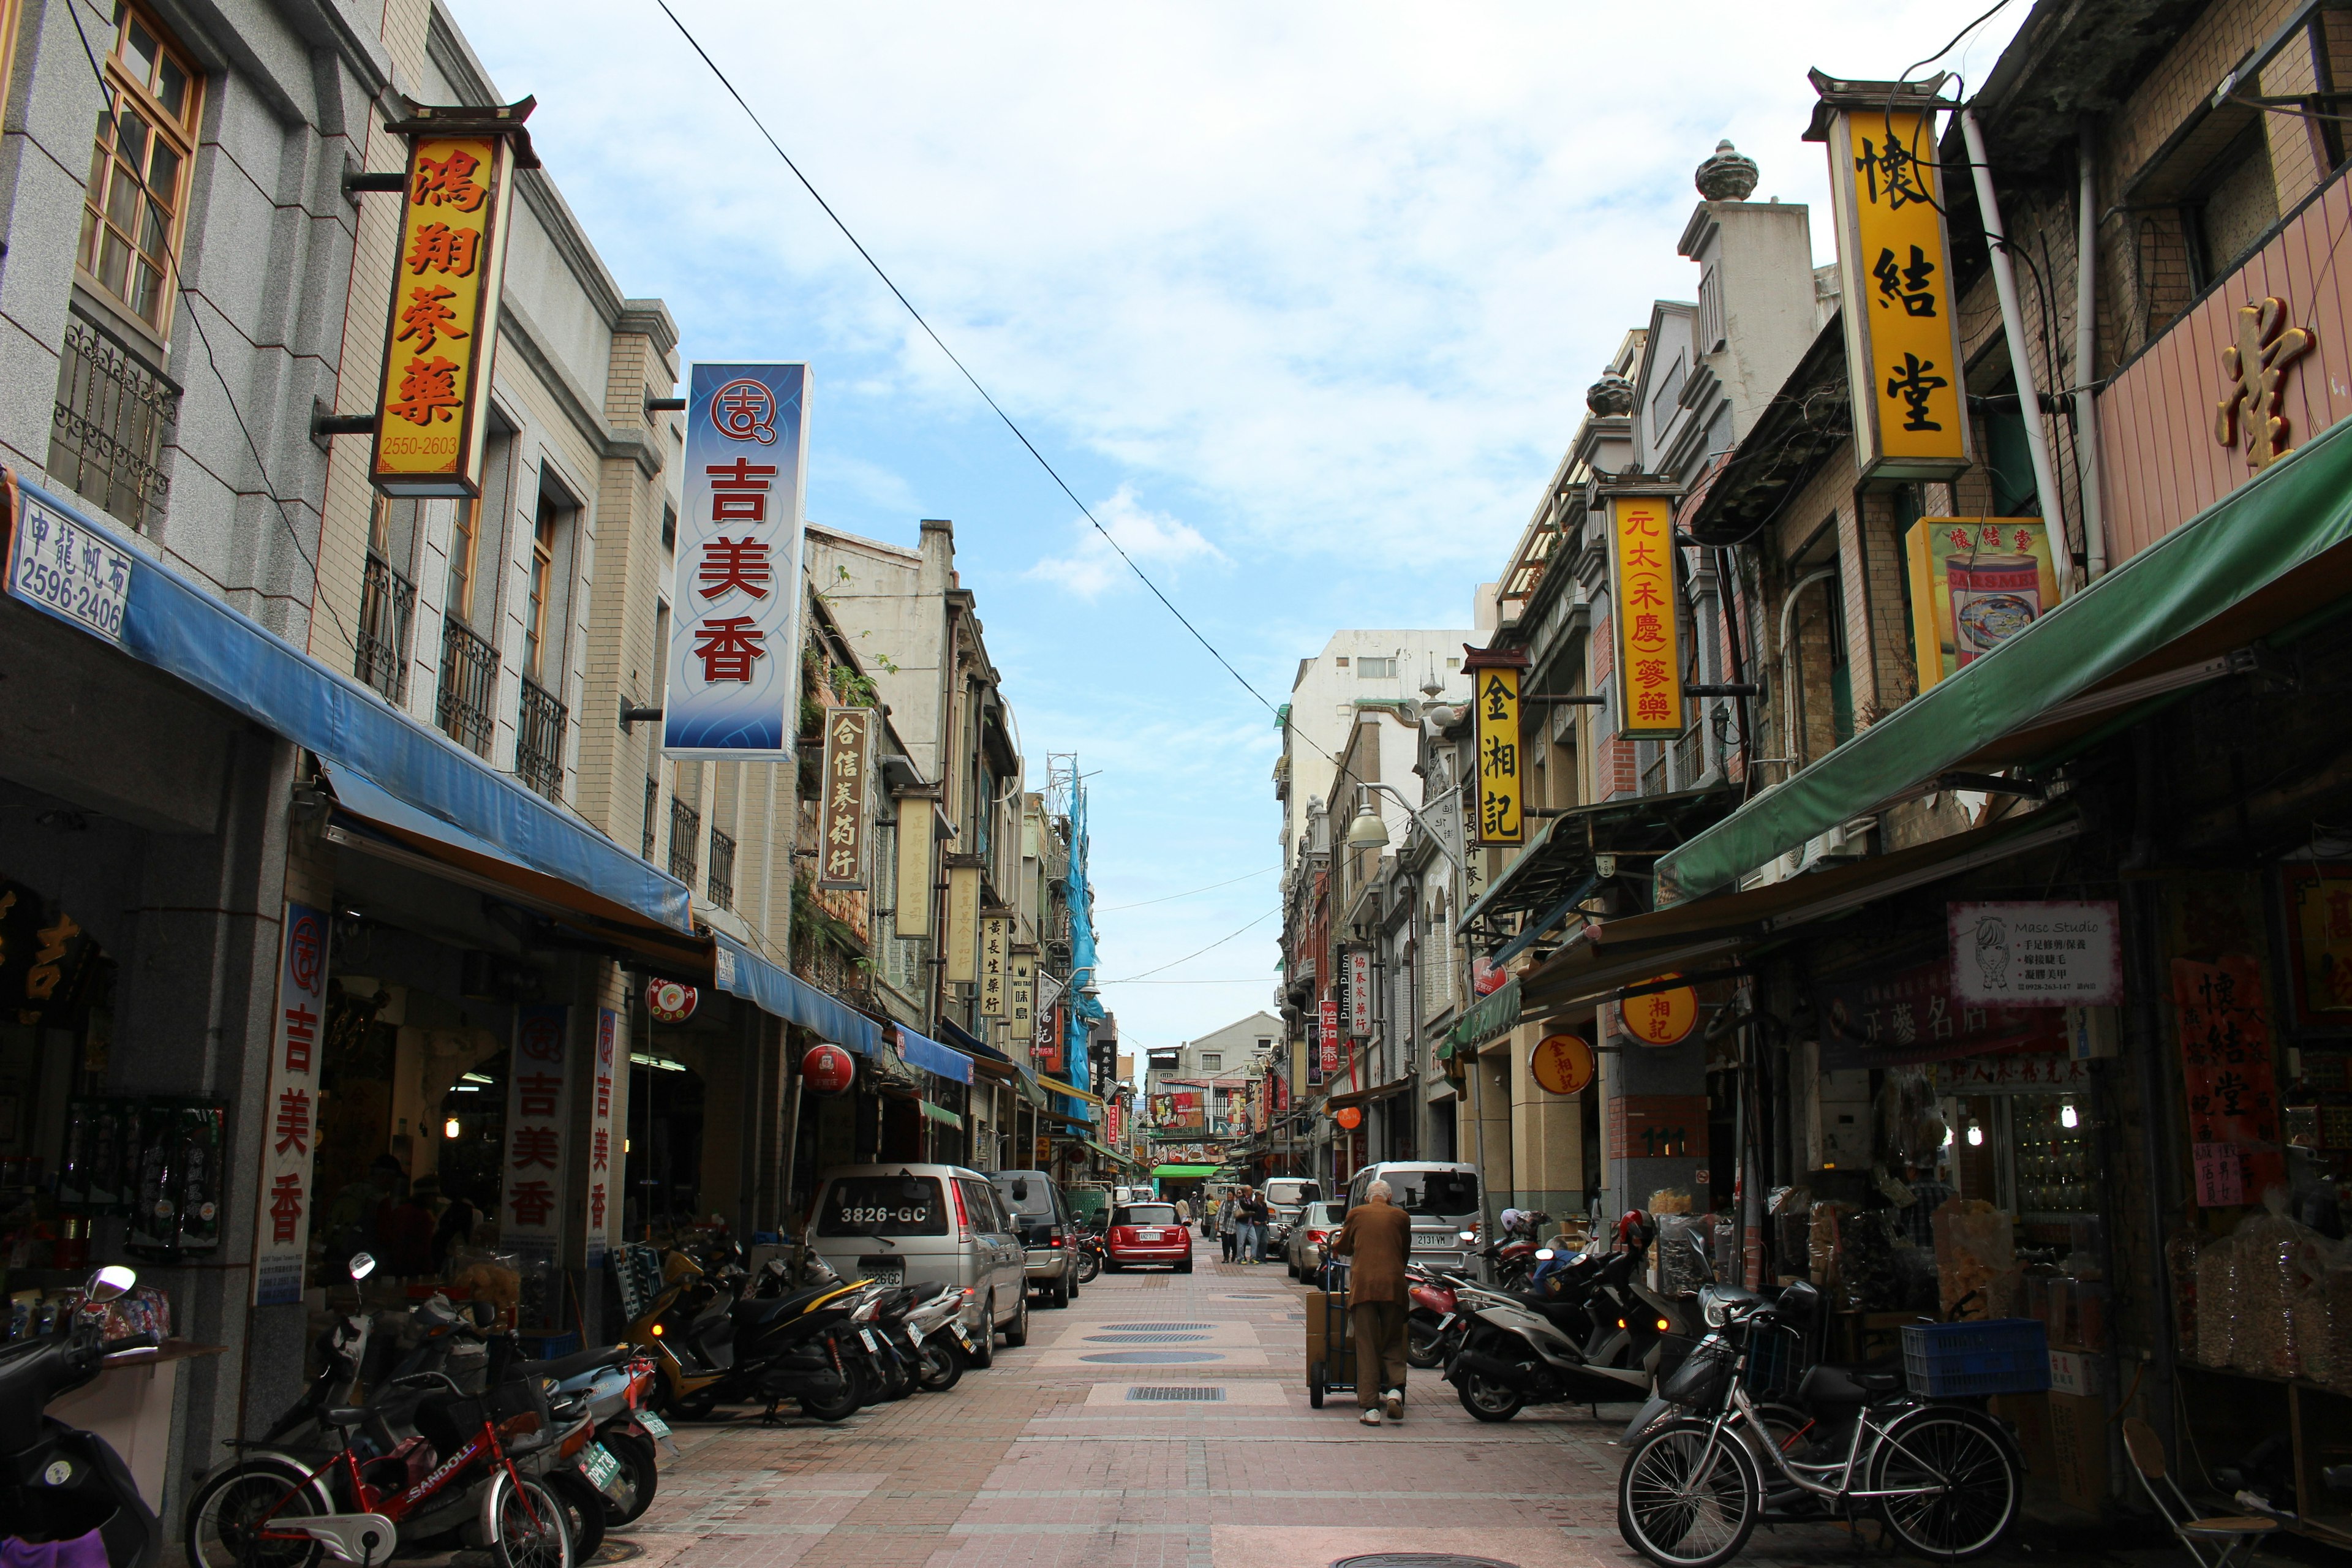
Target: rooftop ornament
1728, 176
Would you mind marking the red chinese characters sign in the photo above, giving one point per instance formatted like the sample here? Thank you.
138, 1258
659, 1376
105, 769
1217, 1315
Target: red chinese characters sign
433, 403
1330, 1033
2226, 1062
604, 1153
532, 1208
1649, 674
282, 1232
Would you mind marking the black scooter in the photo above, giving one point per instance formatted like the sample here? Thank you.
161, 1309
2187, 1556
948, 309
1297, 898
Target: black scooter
64, 1483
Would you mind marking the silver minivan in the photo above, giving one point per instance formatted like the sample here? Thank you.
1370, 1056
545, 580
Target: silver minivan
1443, 1200
913, 1224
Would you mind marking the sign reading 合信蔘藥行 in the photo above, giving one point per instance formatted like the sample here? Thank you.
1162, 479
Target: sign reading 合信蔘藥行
995, 965
1648, 641
1902, 337
2044, 952
1976, 581
74, 573
433, 406
1359, 992
281, 1230
1497, 817
841, 829
733, 660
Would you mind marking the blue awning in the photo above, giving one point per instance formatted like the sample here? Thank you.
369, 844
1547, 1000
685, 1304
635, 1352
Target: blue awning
928, 1054
962, 1039
776, 990
179, 628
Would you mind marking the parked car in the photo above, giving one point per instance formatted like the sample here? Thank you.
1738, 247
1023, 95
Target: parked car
1147, 1234
1042, 1214
913, 1224
1317, 1224
1444, 1199
1286, 1198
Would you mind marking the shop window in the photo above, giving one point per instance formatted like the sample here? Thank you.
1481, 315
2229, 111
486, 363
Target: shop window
133, 206
114, 415
542, 586
2009, 463
1212, 1061
2238, 206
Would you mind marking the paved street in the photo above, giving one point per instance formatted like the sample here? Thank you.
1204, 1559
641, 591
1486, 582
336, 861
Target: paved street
1051, 1458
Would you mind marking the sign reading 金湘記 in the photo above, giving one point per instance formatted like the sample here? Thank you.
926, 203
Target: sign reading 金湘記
281, 1231
432, 407
840, 852
1648, 642
2037, 952
74, 573
733, 661
1498, 805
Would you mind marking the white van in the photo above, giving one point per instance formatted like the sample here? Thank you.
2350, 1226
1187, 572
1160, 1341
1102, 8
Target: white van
1443, 1200
911, 1224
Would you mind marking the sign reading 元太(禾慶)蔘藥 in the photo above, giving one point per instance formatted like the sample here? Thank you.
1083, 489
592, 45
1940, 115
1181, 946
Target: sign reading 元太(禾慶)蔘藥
732, 646
841, 850
433, 404
1498, 812
1976, 581
1902, 338
1649, 638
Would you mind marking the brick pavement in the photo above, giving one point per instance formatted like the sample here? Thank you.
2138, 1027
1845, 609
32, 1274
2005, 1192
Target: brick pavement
1042, 1462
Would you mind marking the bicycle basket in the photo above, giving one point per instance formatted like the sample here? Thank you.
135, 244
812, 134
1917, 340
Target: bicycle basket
1700, 1381
449, 1422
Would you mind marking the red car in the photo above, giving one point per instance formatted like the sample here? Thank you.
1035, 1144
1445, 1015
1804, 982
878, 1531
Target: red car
1147, 1232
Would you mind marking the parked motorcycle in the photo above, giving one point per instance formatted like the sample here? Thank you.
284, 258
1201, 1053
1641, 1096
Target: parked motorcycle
614, 1383
1090, 1253
58, 1483
1432, 1296
1593, 1334
716, 1342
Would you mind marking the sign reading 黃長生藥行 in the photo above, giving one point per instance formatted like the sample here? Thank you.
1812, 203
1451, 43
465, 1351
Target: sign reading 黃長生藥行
734, 662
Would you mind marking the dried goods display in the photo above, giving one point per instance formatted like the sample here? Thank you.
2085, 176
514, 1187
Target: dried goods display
2217, 1299
1868, 1278
1974, 1253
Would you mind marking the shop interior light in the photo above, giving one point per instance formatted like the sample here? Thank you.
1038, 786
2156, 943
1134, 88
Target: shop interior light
2066, 1118
451, 1128
642, 1060
1976, 1136
473, 1078
467, 1088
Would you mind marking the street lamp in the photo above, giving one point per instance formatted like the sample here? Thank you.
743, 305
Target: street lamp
1368, 832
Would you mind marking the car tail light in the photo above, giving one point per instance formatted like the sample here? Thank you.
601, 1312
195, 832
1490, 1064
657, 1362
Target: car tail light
1317, 1237
1054, 1237
963, 1219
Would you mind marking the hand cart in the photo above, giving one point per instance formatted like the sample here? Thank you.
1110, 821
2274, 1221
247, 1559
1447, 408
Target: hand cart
1333, 1372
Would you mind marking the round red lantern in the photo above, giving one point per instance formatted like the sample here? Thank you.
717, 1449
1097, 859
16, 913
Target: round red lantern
1348, 1117
828, 1068
671, 1001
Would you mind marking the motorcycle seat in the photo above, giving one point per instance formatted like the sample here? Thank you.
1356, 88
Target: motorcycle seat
564, 1368
767, 1308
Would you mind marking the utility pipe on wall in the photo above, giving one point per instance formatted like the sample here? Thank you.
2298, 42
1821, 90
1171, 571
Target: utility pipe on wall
2087, 349
2012, 327
1791, 742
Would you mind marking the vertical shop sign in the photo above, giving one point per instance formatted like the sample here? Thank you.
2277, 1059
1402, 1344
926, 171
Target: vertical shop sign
1649, 657
281, 1230
996, 965
1901, 336
1976, 581
537, 1110
432, 407
733, 661
1021, 995
1047, 1053
916, 818
1359, 992
962, 934
848, 758
603, 1158
1330, 1021
2227, 1065
1497, 805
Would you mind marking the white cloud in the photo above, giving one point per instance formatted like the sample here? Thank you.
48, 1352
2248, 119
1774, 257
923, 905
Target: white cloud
1149, 537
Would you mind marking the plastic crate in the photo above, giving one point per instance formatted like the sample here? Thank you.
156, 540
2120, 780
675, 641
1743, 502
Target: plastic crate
554, 1347
1951, 1360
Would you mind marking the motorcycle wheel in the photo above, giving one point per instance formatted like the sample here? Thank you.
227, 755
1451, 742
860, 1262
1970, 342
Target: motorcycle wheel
640, 1475
942, 1368
1686, 1498
897, 1377
584, 1512
842, 1405
1488, 1401
1089, 1266
528, 1526
221, 1517
1423, 1345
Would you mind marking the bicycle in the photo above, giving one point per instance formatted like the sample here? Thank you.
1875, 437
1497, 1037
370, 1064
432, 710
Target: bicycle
1945, 1479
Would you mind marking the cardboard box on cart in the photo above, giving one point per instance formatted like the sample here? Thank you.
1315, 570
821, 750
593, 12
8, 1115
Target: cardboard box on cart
1319, 1322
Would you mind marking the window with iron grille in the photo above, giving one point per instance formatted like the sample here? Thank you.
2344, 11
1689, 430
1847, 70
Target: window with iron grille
387, 603
539, 740
722, 870
685, 831
652, 804
469, 679
112, 417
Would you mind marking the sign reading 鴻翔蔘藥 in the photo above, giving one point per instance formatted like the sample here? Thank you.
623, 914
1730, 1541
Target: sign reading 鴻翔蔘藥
531, 1206
432, 407
290, 1128
841, 831
1648, 643
2042, 952
734, 667
1902, 335
603, 1155
1497, 817
74, 573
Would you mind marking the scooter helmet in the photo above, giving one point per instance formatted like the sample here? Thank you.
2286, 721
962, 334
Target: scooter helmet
1635, 1229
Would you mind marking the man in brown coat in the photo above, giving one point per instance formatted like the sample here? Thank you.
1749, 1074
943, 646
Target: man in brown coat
1377, 1236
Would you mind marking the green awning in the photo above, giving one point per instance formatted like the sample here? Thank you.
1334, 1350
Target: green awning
1183, 1172
1484, 1022
937, 1113
2255, 566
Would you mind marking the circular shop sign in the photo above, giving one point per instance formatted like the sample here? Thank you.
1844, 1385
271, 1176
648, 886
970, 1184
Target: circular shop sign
671, 1002
1660, 1017
1563, 1063
828, 1068
1348, 1117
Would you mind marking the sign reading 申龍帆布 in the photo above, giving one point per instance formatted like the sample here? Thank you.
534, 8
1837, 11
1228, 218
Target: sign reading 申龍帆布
433, 406
1894, 270
733, 660
1976, 581
1497, 817
1649, 638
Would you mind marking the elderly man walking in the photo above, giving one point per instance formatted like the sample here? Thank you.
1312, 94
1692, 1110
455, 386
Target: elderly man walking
1376, 1237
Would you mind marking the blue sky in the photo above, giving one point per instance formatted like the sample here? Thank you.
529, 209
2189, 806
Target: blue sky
1302, 299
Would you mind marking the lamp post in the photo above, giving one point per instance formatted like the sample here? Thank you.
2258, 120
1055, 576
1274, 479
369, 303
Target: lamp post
1367, 831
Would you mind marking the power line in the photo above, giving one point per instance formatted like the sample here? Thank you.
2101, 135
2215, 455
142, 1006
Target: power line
1018, 435
1210, 888
1191, 956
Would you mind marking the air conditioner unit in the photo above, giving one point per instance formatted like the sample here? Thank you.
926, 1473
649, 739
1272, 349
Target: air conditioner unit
1847, 841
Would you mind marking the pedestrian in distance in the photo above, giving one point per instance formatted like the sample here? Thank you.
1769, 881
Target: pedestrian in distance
1229, 1222
1375, 1237
1249, 1231
1184, 1214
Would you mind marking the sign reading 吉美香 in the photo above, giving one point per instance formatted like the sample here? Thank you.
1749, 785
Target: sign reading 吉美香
531, 1206
995, 965
433, 406
841, 824
1359, 992
734, 667
289, 1117
2044, 952
1497, 806
1648, 642
1976, 581
1901, 336
74, 573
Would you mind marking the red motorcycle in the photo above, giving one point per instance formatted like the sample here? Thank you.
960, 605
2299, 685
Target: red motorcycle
1430, 1306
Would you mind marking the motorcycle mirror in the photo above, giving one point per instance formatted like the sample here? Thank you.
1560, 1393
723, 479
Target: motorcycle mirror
363, 1265
110, 1282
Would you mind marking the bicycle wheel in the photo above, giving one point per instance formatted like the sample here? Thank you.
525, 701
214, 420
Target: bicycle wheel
223, 1519
1964, 1484
1687, 1498
529, 1527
